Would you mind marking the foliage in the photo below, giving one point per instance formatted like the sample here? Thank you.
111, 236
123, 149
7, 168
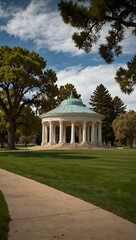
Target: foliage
119, 106
27, 139
124, 126
22, 81
47, 100
127, 77
28, 123
90, 19
4, 218
104, 177
101, 102
65, 92
28, 126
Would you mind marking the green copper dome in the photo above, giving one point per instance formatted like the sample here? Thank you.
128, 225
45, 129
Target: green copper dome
70, 106
72, 101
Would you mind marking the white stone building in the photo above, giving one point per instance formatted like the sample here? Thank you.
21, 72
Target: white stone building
71, 124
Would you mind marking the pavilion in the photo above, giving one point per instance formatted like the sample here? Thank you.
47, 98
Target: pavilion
71, 124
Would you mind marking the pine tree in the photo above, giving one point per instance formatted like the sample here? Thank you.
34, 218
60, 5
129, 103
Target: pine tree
119, 106
101, 102
90, 17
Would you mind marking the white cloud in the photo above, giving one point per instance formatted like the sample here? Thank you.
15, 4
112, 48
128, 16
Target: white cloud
46, 29
43, 26
129, 43
2, 12
85, 79
7, 11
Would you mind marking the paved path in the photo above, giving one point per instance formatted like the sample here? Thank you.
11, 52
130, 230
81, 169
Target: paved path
39, 212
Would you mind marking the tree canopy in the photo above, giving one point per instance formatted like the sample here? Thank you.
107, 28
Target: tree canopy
48, 100
102, 102
124, 126
127, 77
65, 92
89, 19
22, 80
119, 106
28, 123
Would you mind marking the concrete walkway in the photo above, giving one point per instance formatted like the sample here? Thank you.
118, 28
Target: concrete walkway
39, 212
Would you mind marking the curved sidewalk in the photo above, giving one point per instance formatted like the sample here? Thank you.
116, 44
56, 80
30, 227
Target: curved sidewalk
39, 212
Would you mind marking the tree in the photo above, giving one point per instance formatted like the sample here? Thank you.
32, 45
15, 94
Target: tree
65, 92
3, 128
28, 123
48, 100
119, 106
27, 139
89, 19
127, 77
101, 102
124, 126
22, 80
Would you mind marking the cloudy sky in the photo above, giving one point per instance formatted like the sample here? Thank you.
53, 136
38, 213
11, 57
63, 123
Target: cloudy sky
37, 25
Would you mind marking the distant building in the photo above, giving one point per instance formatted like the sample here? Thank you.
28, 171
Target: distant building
71, 124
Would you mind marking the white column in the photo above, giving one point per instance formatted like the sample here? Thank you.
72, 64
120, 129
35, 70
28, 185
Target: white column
54, 134
72, 132
64, 136
88, 133
43, 132
93, 133
80, 134
61, 132
50, 133
100, 133
84, 132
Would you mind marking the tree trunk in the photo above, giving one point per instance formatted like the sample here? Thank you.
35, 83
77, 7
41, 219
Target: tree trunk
131, 144
11, 135
2, 142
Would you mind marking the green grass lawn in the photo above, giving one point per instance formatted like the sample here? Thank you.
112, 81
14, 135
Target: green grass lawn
105, 177
4, 218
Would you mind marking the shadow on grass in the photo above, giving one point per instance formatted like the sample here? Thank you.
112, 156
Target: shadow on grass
50, 154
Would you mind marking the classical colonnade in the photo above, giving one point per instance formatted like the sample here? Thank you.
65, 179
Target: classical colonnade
54, 132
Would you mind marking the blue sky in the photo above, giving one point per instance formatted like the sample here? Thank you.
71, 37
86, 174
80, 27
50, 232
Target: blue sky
37, 25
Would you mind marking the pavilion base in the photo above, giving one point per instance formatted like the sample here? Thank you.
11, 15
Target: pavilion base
67, 146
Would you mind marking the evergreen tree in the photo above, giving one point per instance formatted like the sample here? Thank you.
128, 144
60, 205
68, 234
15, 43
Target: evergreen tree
90, 17
127, 77
119, 106
101, 102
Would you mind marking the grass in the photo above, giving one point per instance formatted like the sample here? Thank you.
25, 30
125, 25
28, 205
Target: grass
106, 178
4, 218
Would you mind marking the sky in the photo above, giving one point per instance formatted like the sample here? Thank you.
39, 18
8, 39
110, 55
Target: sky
38, 26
